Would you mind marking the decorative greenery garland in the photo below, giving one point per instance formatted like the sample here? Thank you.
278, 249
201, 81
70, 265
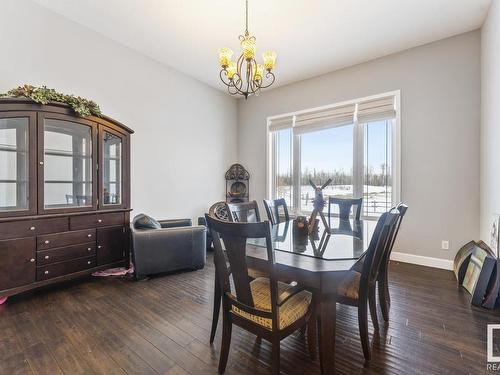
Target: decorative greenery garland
43, 95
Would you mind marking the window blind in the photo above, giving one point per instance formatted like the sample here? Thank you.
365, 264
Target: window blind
280, 123
377, 109
324, 119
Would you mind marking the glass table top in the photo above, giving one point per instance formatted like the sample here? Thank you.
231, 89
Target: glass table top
345, 239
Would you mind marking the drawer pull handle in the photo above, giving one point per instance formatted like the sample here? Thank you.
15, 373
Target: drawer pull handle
32, 260
99, 221
89, 249
47, 242
99, 247
47, 257
89, 235
41, 163
88, 262
46, 272
32, 228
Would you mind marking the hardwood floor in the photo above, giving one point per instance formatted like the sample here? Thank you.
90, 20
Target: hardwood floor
162, 326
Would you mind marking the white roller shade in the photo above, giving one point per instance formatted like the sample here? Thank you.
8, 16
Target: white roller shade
280, 123
324, 119
377, 109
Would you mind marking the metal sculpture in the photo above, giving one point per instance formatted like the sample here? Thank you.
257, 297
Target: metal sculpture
318, 205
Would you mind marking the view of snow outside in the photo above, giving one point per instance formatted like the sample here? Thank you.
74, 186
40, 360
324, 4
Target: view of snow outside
329, 153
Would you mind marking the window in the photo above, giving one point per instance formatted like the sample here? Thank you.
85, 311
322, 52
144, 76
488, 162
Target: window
326, 154
355, 144
283, 183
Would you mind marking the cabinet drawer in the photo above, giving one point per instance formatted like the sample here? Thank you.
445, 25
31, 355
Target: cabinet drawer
65, 253
50, 241
64, 268
27, 228
55, 225
16, 229
97, 220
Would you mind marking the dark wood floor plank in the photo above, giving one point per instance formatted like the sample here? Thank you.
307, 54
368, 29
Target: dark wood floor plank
15, 364
41, 360
66, 354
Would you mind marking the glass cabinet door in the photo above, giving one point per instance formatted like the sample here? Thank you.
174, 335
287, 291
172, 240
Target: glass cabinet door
112, 168
15, 165
68, 173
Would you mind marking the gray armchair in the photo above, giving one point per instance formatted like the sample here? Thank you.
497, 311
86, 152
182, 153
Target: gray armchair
177, 245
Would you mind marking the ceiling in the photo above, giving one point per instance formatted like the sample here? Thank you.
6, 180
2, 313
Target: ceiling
311, 37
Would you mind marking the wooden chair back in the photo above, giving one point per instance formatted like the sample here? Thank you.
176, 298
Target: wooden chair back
234, 235
219, 211
246, 212
400, 209
345, 206
277, 210
376, 250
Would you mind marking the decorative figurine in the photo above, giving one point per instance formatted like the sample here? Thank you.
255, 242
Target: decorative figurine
318, 205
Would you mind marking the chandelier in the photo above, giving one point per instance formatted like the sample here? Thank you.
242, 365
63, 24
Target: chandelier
245, 76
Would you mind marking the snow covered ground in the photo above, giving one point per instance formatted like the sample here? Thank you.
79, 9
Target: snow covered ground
377, 199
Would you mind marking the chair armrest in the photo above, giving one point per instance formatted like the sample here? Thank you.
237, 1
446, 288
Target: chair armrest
175, 223
289, 293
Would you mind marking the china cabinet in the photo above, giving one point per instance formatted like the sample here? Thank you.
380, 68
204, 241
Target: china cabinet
64, 194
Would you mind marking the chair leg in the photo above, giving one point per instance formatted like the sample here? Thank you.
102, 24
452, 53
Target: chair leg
312, 335
387, 295
372, 301
382, 298
227, 326
275, 359
363, 328
217, 303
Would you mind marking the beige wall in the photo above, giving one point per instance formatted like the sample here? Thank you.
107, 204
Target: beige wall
440, 99
185, 131
490, 119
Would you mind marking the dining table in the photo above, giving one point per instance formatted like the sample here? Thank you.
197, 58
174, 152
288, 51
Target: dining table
317, 261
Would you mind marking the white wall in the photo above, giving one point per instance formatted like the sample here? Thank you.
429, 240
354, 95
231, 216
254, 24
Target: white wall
490, 118
440, 99
185, 131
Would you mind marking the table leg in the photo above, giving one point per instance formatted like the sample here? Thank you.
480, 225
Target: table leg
328, 312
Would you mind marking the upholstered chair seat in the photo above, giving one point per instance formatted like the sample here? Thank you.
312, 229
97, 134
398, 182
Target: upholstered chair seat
349, 287
293, 309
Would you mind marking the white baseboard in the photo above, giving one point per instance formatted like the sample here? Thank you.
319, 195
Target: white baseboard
444, 264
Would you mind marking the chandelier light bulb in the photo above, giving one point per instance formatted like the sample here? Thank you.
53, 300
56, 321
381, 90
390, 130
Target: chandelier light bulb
269, 58
259, 72
231, 69
248, 46
225, 55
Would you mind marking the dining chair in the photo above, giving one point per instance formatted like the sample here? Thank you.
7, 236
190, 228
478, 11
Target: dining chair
359, 288
383, 278
277, 210
270, 309
231, 212
345, 206
246, 212
219, 211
